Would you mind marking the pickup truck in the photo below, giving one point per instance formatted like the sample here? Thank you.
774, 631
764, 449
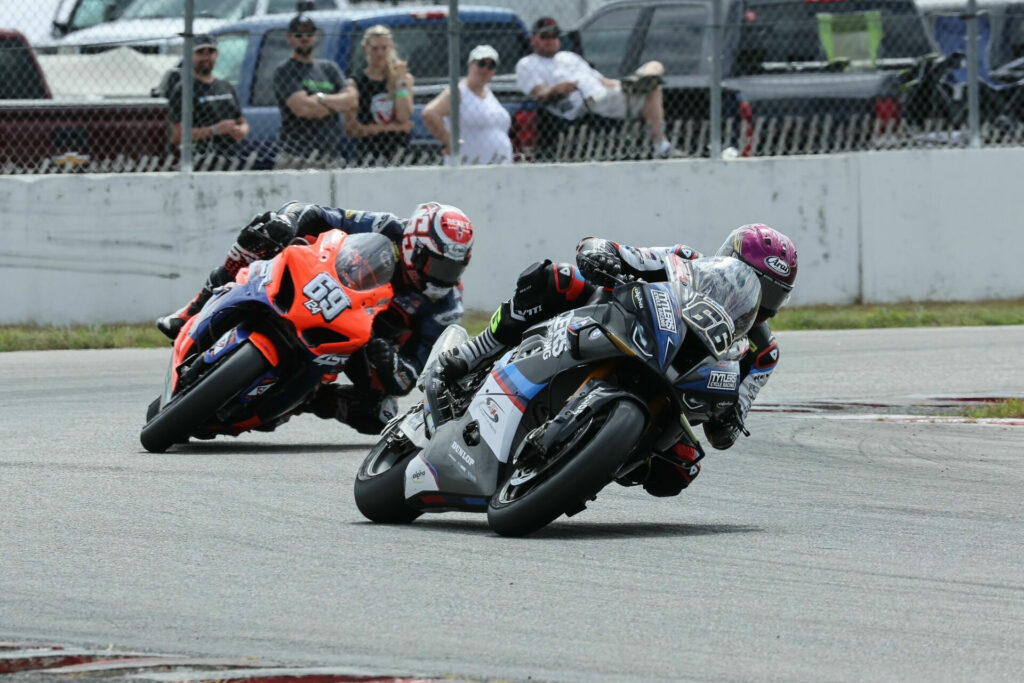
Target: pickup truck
41, 134
251, 50
801, 75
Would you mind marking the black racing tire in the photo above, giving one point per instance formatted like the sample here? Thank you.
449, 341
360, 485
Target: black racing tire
186, 413
380, 483
579, 478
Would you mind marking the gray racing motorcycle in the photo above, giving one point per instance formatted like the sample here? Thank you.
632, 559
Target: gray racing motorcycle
585, 399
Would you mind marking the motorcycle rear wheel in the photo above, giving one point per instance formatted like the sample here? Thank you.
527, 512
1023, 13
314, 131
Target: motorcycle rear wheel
380, 483
186, 413
521, 510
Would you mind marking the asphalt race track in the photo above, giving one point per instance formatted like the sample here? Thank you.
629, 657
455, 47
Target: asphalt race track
847, 539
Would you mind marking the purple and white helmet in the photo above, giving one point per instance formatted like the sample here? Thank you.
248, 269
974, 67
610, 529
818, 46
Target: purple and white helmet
772, 255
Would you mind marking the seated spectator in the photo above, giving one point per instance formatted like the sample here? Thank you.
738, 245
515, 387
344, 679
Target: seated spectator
572, 90
382, 123
483, 122
217, 121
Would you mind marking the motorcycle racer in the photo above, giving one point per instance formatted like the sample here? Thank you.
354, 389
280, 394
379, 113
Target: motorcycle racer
433, 247
545, 289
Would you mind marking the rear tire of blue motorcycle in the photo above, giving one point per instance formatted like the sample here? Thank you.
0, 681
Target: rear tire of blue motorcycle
380, 493
584, 474
185, 414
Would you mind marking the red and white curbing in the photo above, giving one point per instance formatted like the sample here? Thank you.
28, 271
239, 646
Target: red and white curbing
74, 663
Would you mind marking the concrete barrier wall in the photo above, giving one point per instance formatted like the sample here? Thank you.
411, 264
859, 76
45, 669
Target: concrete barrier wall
880, 227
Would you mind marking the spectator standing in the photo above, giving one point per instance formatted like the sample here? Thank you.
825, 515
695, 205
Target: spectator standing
571, 90
217, 121
311, 93
483, 122
384, 118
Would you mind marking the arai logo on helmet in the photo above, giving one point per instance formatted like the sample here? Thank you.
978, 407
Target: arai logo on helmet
777, 265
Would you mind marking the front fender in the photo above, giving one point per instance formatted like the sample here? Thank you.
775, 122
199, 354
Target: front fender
592, 396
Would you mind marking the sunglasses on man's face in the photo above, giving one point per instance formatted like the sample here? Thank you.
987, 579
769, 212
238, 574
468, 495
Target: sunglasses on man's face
206, 51
304, 34
487, 64
548, 35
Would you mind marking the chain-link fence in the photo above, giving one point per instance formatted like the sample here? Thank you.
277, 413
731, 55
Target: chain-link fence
355, 84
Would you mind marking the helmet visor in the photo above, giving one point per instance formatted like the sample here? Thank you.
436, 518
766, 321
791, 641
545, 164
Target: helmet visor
441, 270
774, 294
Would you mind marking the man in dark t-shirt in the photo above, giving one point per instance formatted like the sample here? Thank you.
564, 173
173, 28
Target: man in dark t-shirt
310, 93
217, 121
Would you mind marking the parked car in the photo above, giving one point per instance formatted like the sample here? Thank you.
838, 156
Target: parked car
75, 15
795, 67
154, 26
40, 133
252, 49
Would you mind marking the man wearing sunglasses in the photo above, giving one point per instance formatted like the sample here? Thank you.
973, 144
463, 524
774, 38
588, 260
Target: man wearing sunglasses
217, 121
573, 91
311, 93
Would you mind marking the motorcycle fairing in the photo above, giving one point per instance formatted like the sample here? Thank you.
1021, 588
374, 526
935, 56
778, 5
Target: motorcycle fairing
716, 377
450, 473
499, 405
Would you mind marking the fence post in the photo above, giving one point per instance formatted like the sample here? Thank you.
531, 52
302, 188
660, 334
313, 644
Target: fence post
973, 108
186, 89
716, 80
454, 31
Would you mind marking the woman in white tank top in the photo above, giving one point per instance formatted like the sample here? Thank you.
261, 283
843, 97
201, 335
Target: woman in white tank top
483, 122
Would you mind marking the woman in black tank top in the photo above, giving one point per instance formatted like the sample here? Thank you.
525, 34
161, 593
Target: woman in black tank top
382, 124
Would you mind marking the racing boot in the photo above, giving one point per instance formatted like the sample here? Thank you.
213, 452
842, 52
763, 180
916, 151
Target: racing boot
673, 471
469, 356
366, 412
171, 324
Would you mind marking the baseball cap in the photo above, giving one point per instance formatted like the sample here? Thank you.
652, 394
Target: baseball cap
204, 40
301, 23
483, 52
546, 24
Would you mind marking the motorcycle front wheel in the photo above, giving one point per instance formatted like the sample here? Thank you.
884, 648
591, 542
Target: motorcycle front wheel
529, 498
191, 410
380, 482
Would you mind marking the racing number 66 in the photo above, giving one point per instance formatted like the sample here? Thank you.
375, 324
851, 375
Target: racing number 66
711, 323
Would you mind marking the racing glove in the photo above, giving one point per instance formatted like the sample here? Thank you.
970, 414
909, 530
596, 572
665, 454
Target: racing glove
598, 261
264, 237
396, 374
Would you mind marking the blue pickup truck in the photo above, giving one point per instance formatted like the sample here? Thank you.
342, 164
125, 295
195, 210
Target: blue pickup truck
250, 51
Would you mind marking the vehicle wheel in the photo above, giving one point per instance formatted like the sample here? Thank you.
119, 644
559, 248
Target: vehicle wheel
380, 482
189, 411
529, 497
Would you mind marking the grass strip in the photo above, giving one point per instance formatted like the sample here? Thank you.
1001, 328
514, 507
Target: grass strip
1010, 408
1008, 312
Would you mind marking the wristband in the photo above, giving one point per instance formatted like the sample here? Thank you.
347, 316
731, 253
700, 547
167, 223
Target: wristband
214, 128
399, 94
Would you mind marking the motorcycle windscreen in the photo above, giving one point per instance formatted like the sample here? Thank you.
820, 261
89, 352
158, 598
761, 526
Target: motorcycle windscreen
365, 261
721, 300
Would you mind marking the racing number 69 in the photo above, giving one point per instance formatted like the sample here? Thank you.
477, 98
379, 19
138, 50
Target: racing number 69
326, 295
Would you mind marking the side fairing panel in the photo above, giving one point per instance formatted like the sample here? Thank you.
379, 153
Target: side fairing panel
498, 407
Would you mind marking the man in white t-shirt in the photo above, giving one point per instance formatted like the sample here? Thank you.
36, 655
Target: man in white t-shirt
569, 88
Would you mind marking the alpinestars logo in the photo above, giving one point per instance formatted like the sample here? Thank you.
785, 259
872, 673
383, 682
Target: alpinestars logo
664, 310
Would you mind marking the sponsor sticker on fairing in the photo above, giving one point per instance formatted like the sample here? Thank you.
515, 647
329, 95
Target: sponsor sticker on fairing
664, 311
724, 381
